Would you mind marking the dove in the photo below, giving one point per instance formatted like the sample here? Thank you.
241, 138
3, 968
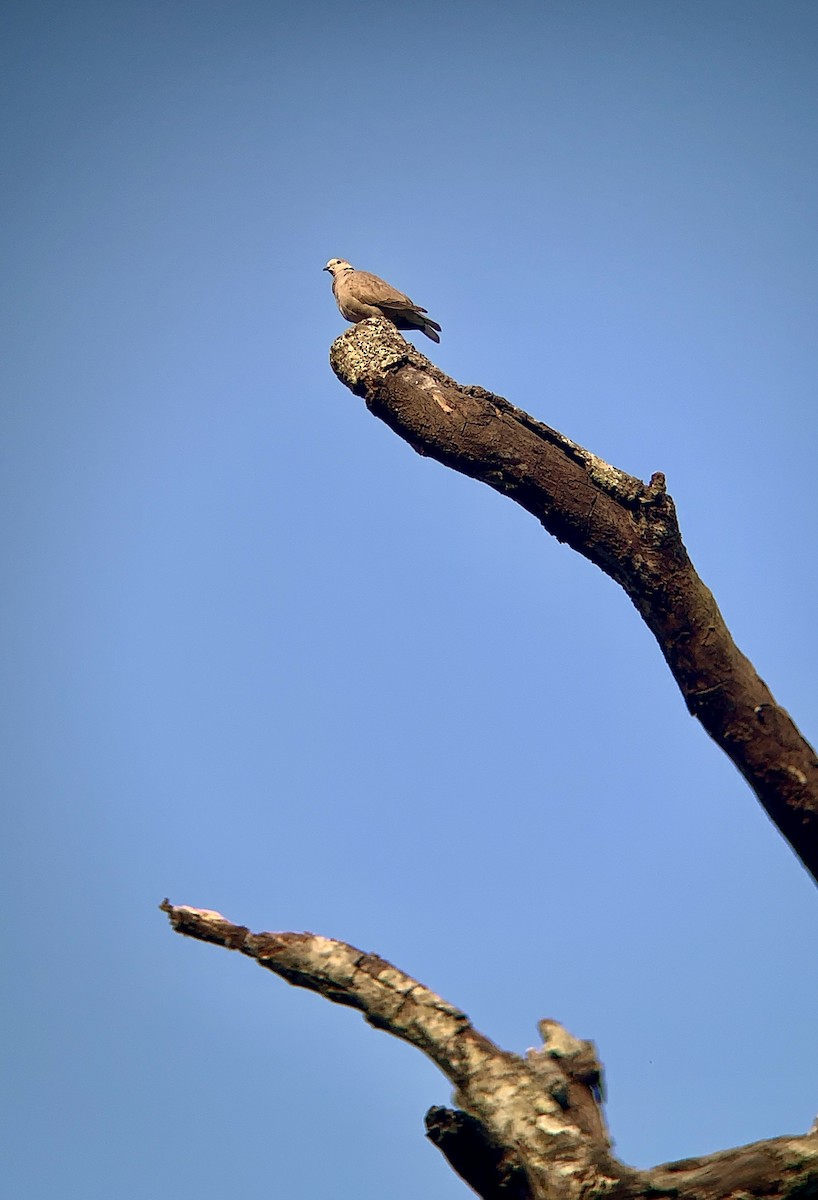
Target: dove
360, 295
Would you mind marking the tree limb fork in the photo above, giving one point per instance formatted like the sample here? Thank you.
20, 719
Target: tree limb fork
524, 1128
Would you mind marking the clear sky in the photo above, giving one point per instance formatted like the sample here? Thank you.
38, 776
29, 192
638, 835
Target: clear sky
260, 657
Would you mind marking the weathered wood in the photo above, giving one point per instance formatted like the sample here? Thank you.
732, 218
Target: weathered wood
525, 1128
626, 527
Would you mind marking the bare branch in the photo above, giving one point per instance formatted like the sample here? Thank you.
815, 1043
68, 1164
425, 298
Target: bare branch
627, 528
532, 1128
526, 1128
516, 1102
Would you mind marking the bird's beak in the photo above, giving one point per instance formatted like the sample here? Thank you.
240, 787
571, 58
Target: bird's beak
325, 268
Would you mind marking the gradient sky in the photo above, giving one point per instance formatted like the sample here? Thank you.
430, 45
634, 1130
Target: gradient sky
259, 656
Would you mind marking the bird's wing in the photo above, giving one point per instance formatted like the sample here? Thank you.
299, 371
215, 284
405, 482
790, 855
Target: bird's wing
369, 289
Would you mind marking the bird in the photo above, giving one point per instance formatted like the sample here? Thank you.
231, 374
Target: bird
360, 295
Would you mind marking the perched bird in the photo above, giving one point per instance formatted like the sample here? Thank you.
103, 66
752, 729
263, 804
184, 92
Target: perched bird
360, 295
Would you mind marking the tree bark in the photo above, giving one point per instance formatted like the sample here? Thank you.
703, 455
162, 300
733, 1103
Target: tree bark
627, 528
533, 1128
525, 1128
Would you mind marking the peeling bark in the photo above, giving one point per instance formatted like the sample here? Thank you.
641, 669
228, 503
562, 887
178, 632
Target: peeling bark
627, 528
525, 1128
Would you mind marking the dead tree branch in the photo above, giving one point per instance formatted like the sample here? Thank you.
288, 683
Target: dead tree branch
525, 1128
532, 1128
627, 528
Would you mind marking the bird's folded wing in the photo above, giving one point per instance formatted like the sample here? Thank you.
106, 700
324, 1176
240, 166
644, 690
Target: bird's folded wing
369, 289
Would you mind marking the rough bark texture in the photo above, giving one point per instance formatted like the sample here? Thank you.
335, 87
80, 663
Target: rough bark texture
525, 1128
532, 1128
626, 527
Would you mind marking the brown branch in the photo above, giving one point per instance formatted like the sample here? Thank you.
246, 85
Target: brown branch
627, 528
491, 1170
525, 1128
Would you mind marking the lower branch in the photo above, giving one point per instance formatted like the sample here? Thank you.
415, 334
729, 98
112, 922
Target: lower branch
525, 1128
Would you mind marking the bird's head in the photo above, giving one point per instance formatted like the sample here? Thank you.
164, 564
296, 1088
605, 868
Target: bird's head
337, 264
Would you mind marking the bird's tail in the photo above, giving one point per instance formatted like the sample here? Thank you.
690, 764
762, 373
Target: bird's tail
427, 325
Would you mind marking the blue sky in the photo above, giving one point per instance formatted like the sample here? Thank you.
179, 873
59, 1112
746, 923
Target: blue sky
258, 656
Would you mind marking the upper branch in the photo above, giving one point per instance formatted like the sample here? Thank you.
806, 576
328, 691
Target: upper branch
627, 528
